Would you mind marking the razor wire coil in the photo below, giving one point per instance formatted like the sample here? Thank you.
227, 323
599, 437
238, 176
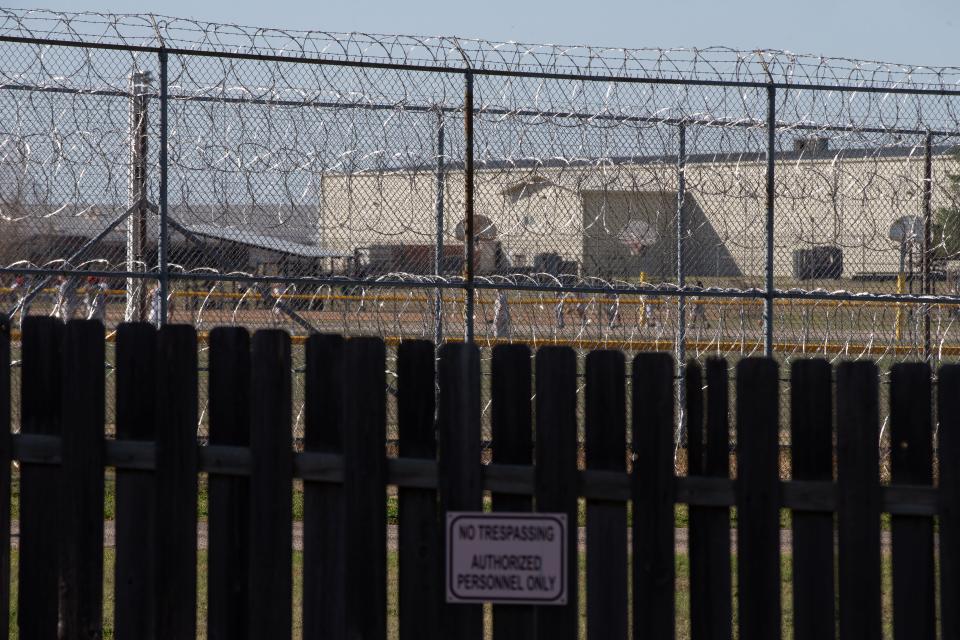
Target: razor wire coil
316, 182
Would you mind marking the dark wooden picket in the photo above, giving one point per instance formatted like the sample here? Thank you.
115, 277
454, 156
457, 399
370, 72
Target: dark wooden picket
6, 456
911, 463
512, 427
948, 508
811, 437
324, 576
134, 616
228, 510
709, 528
699, 566
758, 521
40, 414
653, 497
365, 484
716, 519
606, 435
419, 534
251, 464
696, 434
555, 472
81, 542
271, 485
858, 501
458, 427
176, 516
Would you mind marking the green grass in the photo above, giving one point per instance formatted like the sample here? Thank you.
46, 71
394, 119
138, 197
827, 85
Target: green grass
682, 596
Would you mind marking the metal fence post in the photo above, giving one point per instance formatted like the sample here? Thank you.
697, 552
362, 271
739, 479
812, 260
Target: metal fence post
682, 283
163, 235
927, 284
438, 256
468, 248
137, 222
771, 194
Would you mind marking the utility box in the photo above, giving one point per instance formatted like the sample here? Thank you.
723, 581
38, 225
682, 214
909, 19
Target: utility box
818, 263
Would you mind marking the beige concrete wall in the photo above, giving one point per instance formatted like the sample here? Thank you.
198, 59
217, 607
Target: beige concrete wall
830, 200
850, 203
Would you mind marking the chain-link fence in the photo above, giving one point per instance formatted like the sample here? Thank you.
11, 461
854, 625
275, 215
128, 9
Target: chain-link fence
705, 202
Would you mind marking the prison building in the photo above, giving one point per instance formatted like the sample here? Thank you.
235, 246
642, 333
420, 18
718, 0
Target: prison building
617, 218
612, 218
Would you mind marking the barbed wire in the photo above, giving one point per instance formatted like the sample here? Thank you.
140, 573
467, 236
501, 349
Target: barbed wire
708, 64
620, 197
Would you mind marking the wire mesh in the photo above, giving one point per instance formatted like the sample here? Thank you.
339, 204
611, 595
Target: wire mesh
620, 198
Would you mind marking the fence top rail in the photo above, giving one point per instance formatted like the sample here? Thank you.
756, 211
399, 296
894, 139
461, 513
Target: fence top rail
711, 65
814, 496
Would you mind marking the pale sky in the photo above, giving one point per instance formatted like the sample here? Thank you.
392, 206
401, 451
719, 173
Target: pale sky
918, 32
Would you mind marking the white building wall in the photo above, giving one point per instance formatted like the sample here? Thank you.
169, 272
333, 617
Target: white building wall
849, 203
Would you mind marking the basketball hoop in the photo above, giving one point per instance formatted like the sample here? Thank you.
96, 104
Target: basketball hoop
638, 235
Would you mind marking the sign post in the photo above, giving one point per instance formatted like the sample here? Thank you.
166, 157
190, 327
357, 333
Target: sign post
506, 558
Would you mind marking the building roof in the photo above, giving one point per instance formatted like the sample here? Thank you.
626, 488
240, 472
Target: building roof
839, 154
259, 240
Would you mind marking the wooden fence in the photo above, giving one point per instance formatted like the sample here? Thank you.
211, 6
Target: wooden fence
345, 473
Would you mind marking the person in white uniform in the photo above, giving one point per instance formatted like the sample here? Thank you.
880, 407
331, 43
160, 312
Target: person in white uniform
558, 311
649, 310
501, 316
96, 299
153, 308
613, 310
65, 306
698, 312
19, 291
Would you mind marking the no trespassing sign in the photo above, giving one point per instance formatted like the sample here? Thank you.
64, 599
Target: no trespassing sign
505, 558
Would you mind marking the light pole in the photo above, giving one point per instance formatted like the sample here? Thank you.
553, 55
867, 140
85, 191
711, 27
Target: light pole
140, 82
